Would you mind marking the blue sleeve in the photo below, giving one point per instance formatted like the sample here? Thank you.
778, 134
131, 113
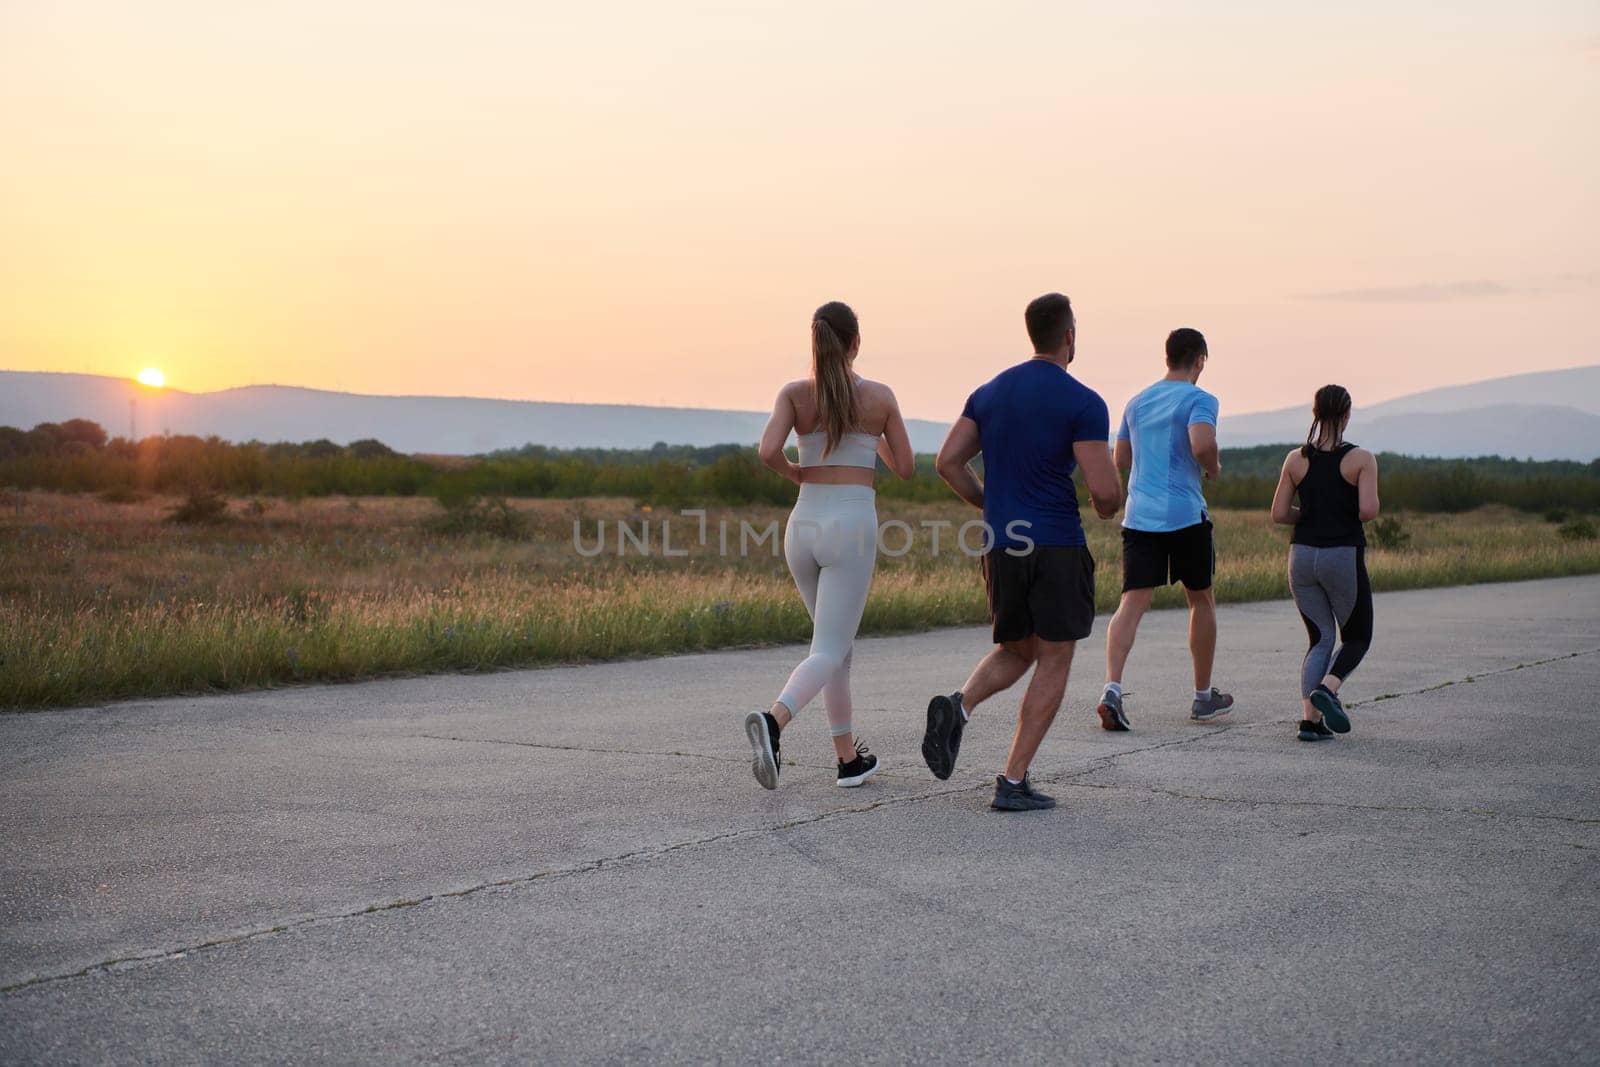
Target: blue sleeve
1122, 431
970, 412
1093, 422
1204, 410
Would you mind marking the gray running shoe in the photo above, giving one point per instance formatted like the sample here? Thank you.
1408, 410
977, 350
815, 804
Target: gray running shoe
1020, 797
1218, 703
1112, 717
1333, 713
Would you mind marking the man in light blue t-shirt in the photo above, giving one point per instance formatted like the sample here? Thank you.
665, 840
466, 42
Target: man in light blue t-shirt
1168, 438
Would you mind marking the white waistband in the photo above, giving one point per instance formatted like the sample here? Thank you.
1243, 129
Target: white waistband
815, 493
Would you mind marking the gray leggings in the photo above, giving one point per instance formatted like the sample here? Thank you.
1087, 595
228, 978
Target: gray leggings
831, 544
1331, 590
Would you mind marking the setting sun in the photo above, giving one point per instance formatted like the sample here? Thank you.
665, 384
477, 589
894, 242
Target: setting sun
152, 377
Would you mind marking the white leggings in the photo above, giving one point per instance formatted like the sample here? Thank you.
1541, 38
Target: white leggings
831, 543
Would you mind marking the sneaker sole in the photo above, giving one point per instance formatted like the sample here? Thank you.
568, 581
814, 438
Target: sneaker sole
851, 783
1027, 805
1313, 737
1332, 713
1110, 719
935, 755
762, 763
1196, 717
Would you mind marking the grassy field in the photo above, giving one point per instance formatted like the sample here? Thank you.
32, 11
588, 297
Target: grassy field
101, 601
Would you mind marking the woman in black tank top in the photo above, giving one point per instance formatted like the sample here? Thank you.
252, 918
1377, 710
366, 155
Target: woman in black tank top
1330, 506
1336, 485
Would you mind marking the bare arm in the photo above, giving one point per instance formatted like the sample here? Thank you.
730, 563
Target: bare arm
895, 448
1105, 485
1124, 455
1367, 489
1203, 443
776, 434
955, 456
1284, 511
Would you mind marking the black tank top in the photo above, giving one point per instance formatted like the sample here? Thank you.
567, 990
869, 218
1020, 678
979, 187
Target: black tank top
1330, 507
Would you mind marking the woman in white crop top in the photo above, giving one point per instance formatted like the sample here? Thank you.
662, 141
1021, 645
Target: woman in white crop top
844, 424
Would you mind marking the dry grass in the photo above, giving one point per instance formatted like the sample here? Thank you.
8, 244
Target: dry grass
101, 601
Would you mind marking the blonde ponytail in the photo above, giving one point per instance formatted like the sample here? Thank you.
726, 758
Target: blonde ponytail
834, 330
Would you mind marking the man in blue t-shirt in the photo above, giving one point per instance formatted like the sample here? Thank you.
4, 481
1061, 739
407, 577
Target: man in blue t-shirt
1169, 439
1034, 423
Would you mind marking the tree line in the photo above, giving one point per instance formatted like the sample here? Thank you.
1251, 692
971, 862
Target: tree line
79, 456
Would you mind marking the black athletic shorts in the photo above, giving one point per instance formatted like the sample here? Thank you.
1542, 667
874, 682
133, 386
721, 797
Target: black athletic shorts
1048, 593
1151, 560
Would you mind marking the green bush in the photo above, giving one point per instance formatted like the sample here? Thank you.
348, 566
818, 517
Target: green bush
200, 506
493, 517
1389, 532
1577, 530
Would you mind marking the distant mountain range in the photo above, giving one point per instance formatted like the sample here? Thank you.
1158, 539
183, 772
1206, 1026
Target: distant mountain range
1544, 415
439, 425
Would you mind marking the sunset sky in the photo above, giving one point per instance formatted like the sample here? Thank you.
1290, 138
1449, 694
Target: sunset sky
642, 202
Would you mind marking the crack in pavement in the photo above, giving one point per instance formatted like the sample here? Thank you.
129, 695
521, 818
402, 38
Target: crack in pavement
1435, 687
579, 748
1471, 678
151, 956
1486, 813
1068, 778
518, 881
589, 750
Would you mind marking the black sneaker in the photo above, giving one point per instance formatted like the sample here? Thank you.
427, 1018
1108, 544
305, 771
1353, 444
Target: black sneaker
762, 730
1112, 717
1314, 731
942, 739
858, 770
1327, 701
1019, 797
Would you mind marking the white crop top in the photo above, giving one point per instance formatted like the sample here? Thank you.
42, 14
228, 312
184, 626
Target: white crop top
853, 450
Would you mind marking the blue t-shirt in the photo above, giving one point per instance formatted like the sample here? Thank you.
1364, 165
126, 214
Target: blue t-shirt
1164, 492
1029, 417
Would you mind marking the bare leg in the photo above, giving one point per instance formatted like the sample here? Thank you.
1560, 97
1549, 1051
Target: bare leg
780, 711
1311, 714
1202, 634
1332, 682
1040, 704
997, 672
1124, 625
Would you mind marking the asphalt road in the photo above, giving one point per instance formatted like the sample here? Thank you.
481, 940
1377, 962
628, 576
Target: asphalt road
576, 865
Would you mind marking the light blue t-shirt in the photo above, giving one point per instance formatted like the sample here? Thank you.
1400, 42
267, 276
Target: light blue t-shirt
1164, 491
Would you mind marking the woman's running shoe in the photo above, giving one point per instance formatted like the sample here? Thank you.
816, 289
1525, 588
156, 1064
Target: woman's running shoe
1327, 701
762, 730
1314, 731
858, 770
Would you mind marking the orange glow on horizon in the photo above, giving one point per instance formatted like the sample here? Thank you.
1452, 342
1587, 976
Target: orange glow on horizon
642, 203
152, 377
